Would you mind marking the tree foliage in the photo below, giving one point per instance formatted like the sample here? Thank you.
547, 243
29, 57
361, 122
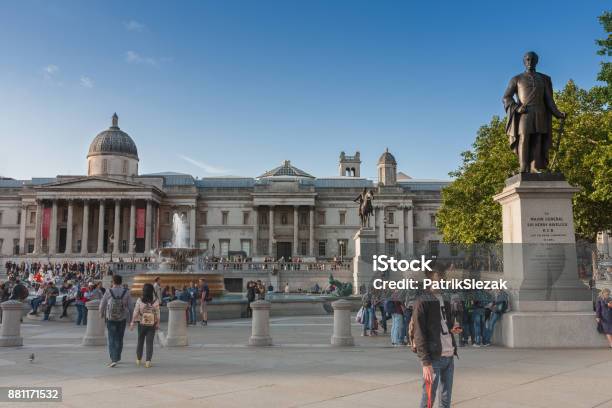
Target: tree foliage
469, 215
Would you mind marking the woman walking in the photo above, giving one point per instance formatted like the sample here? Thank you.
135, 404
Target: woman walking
603, 311
146, 314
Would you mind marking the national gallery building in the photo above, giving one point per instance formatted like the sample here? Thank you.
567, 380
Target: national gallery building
284, 212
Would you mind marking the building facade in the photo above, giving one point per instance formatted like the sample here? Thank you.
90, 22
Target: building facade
284, 212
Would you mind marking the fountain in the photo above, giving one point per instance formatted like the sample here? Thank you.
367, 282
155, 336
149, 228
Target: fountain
175, 263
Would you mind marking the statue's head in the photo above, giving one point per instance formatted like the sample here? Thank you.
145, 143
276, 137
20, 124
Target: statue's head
530, 60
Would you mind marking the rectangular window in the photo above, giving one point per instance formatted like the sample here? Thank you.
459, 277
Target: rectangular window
262, 246
125, 166
432, 219
391, 246
30, 246
390, 218
167, 217
303, 247
303, 218
16, 246
322, 247
342, 246
263, 218
246, 218
204, 217
19, 218
204, 245
284, 218
414, 220
64, 215
433, 247
321, 217
342, 218
245, 246
224, 217
224, 245
32, 217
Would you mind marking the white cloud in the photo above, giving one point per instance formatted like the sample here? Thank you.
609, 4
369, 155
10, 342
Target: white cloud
86, 82
134, 25
132, 57
206, 167
50, 71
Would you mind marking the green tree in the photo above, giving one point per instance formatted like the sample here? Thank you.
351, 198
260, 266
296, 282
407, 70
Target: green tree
469, 215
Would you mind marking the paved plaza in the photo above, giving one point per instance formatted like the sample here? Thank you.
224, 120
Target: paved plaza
219, 370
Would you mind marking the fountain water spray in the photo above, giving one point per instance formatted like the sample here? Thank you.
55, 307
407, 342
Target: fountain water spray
179, 231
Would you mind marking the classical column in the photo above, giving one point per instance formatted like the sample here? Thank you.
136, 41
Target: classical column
101, 228
311, 232
380, 215
410, 230
192, 226
53, 229
132, 247
69, 222
22, 229
85, 232
255, 232
271, 231
117, 227
148, 228
402, 230
295, 230
38, 227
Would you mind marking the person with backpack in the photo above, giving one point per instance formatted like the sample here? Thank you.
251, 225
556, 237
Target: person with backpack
431, 332
146, 315
498, 307
116, 308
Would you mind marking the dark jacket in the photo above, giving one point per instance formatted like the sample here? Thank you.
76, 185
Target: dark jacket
427, 326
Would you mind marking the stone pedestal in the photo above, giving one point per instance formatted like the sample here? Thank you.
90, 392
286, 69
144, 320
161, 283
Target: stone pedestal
550, 306
365, 248
342, 324
260, 324
177, 324
94, 333
10, 330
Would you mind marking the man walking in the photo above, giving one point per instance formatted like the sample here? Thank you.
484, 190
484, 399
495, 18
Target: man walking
116, 308
435, 344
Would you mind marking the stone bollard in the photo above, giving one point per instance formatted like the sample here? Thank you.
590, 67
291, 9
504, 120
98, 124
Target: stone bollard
260, 324
177, 324
342, 324
10, 331
94, 333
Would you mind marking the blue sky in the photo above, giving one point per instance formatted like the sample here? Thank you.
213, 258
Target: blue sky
235, 87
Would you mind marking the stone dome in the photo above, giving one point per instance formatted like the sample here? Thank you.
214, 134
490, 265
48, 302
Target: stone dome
113, 141
387, 158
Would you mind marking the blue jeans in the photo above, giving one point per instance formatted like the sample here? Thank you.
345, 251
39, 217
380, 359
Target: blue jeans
443, 369
81, 314
193, 313
116, 329
35, 303
491, 327
397, 331
48, 307
478, 319
368, 319
467, 328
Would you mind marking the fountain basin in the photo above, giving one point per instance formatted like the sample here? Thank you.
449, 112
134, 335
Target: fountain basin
178, 280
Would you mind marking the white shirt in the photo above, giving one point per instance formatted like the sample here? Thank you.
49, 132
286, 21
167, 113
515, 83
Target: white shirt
446, 338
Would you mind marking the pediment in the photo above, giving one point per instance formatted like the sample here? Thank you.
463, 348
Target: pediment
95, 183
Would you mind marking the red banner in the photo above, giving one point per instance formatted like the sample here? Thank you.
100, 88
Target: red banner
46, 222
140, 222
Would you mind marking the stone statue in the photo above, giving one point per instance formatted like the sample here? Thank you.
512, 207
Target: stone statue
365, 206
529, 126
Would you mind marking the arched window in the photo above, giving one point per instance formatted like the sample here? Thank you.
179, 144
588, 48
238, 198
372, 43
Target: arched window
125, 166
